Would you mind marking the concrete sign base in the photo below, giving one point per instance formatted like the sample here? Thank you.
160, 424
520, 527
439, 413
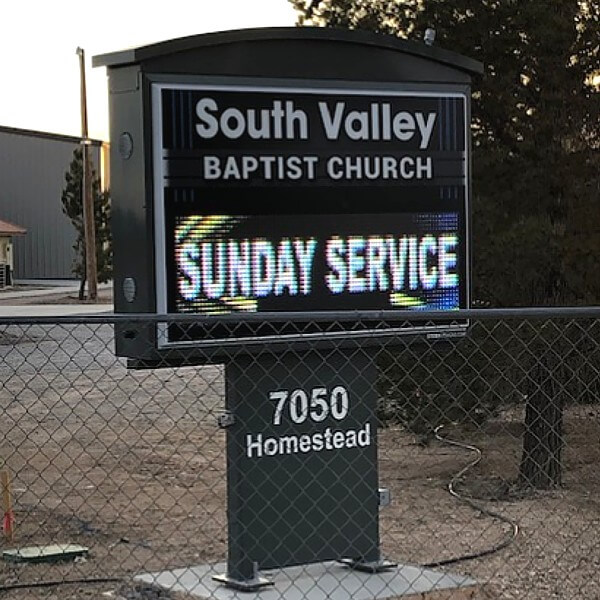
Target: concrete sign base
317, 581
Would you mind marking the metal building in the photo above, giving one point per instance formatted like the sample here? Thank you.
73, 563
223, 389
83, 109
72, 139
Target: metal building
32, 176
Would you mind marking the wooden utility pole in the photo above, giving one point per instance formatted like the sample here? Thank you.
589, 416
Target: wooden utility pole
91, 270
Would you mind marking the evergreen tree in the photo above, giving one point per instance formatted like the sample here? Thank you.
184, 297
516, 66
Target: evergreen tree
72, 205
536, 175
536, 134
384, 16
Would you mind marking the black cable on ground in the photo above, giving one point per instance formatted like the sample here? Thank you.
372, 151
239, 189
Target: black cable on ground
482, 509
51, 583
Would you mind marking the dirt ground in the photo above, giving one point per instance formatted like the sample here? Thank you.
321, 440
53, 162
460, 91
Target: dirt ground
131, 464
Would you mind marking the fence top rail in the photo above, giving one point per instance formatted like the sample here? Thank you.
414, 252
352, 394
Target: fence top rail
423, 317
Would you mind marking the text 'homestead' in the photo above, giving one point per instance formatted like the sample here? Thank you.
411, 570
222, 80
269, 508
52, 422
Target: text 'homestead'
330, 439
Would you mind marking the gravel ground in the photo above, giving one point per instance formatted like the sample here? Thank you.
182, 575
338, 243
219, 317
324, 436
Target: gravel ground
131, 464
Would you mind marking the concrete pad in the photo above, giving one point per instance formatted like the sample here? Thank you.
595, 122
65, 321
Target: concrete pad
318, 581
11, 293
74, 283
54, 310
30, 288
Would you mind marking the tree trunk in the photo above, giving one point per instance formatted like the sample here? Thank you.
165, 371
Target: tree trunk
541, 461
82, 289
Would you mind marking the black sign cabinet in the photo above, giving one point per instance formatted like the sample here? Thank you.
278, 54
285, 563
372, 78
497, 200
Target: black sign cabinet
288, 171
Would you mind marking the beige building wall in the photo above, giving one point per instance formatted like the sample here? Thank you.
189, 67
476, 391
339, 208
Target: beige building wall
6, 253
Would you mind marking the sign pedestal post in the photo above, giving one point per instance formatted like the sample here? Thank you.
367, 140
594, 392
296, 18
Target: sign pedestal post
302, 477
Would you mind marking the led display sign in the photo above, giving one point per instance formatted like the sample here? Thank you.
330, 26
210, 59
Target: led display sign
314, 262
308, 199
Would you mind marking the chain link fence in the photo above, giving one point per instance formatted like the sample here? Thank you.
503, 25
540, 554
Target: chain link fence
486, 447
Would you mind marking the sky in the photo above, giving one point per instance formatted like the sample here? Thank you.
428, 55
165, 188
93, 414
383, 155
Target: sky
39, 38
